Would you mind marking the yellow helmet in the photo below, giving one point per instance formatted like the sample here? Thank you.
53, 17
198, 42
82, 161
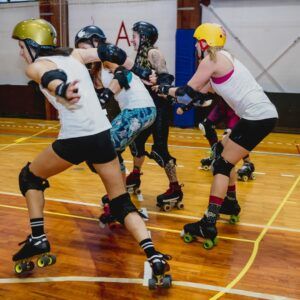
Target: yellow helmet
37, 31
213, 34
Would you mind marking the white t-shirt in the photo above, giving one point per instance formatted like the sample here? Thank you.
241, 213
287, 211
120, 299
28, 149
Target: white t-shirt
87, 118
135, 97
243, 94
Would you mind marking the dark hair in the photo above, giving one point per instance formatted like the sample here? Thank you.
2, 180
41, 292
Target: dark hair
64, 51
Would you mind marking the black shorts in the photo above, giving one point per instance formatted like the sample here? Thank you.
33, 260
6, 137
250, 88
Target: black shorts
94, 149
249, 133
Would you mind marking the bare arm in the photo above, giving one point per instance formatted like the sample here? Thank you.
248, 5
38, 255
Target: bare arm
157, 61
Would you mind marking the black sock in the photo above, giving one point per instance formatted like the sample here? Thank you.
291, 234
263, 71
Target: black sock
37, 227
148, 247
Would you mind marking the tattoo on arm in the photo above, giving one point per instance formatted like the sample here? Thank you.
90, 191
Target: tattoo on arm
157, 61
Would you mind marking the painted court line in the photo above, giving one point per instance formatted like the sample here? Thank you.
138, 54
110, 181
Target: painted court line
139, 281
170, 215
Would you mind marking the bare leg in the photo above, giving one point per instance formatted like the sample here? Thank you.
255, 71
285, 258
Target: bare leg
138, 162
45, 165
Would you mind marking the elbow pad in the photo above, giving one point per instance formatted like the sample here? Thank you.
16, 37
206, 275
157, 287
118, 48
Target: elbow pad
187, 94
143, 73
123, 76
53, 75
105, 96
111, 53
165, 78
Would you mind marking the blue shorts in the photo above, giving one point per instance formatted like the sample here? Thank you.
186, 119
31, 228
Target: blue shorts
129, 124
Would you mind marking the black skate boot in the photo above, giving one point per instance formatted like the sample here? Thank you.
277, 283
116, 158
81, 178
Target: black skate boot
133, 182
231, 208
206, 163
246, 172
203, 229
33, 247
107, 218
160, 266
104, 200
171, 198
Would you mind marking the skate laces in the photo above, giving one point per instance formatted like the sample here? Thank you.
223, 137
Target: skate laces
159, 257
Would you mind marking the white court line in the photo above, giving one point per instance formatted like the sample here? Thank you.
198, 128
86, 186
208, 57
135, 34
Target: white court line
170, 215
140, 281
259, 173
287, 175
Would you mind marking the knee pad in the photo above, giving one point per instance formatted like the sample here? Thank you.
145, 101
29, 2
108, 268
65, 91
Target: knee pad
222, 166
121, 206
91, 167
28, 181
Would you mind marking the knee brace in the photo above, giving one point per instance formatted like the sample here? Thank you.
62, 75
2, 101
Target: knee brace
222, 166
208, 129
121, 206
28, 181
217, 149
137, 150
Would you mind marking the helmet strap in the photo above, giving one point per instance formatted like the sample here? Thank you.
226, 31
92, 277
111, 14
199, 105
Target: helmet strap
203, 45
37, 51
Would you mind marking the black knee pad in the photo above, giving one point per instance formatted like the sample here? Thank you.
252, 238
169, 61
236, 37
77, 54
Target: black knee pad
121, 206
28, 181
91, 167
210, 131
222, 166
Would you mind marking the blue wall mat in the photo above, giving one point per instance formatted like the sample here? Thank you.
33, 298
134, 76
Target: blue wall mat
184, 69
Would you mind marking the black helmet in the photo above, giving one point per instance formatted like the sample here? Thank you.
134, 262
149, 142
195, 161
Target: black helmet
88, 33
147, 30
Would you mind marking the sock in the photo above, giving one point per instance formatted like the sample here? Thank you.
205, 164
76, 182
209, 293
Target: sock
37, 227
231, 192
148, 247
213, 209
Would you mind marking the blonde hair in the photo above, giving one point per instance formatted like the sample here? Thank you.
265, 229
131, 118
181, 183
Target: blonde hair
212, 52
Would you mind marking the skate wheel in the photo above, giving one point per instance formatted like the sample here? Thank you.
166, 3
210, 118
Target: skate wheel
234, 219
215, 241
180, 205
252, 176
167, 282
245, 178
166, 207
43, 261
187, 238
130, 190
18, 268
52, 259
152, 284
208, 244
101, 225
205, 168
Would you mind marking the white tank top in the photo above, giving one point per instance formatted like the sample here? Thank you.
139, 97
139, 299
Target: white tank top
135, 97
88, 117
243, 94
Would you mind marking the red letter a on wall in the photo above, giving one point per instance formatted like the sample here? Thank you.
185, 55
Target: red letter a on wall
122, 37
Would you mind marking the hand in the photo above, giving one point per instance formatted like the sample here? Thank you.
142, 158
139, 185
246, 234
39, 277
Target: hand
179, 111
153, 78
105, 96
72, 94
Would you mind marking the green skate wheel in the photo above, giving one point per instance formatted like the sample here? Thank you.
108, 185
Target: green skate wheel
52, 259
43, 261
234, 219
188, 238
208, 244
18, 268
215, 241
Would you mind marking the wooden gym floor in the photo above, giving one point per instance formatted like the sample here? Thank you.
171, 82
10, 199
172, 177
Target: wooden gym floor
256, 259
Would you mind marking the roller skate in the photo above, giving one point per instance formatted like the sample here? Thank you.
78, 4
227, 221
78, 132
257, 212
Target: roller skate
104, 200
246, 172
38, 247
203, 229
171, 198
231, 208
108, 219
206, 163
133, 182
159, 266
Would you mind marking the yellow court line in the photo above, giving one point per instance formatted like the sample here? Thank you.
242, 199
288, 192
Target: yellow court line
256, 245
96, 219
26, 138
